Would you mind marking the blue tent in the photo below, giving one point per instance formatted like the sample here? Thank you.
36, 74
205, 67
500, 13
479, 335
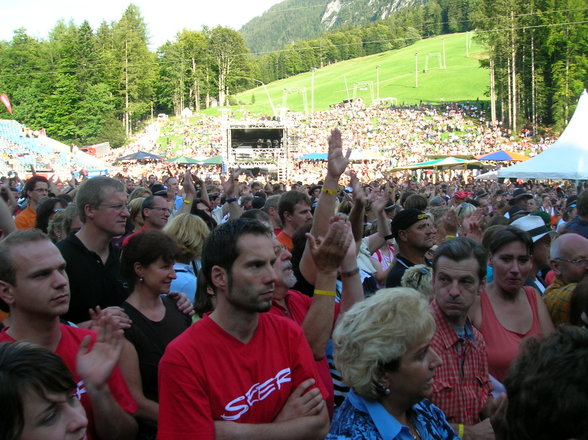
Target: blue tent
314, 156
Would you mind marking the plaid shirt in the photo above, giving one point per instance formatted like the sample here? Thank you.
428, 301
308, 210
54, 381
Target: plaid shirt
460, 398
558, 297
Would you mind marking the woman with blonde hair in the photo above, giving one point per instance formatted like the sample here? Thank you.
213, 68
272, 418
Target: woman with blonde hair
382, 349
135, 214
189, 232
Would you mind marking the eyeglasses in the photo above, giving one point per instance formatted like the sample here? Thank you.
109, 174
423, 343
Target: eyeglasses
576, 262
161, 209
119, 208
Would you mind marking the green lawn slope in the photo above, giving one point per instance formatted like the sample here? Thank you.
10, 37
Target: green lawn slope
462, 80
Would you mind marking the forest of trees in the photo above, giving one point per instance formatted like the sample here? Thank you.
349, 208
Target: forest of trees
86, 86
538, 58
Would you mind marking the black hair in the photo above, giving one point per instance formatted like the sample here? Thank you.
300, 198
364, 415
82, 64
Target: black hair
507, 235
26, 367
220, 247
547, 388
146, 248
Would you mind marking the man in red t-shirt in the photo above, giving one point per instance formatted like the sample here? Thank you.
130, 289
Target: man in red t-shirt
238, 372
34, 285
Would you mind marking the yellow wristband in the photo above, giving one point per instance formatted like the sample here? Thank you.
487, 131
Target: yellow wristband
460, 430
325, 292
450, 236
330, 191
188, 202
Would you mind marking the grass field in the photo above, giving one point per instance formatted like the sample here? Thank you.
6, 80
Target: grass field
462, 80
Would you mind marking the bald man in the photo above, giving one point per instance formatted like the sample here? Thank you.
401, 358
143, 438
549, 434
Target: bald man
568, 257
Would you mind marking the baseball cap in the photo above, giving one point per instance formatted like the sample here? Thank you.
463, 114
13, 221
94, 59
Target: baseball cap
158, 189
405, 219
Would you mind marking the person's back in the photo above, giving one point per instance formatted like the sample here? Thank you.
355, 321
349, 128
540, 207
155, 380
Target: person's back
547, 388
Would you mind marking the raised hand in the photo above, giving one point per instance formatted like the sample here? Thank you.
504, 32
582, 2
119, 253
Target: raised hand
472, 225
379, 203
336, 162
188, 184
450, 222
358, 192
95, 365
229, 184
328, 252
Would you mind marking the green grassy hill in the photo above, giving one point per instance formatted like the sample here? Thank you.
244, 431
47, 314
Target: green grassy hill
462, 80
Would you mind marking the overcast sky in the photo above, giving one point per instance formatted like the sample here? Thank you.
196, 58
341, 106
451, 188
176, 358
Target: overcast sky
164, 18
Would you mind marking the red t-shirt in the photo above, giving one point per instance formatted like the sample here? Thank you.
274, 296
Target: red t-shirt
297, 307
207, 375
68, 347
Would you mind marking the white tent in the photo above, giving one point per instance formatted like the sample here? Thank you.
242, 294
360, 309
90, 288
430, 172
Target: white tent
567, 159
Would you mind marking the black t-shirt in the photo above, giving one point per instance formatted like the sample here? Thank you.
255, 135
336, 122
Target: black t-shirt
397, 271
91, 282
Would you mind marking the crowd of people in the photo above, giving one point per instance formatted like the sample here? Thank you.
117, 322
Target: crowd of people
390, 136
180, 304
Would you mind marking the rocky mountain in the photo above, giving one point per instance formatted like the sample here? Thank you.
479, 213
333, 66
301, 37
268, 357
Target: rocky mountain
296, 20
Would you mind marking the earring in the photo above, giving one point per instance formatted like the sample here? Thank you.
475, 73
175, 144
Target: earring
141, 279
384, 389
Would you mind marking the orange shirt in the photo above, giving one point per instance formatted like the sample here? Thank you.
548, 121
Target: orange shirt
286, 240
27, 219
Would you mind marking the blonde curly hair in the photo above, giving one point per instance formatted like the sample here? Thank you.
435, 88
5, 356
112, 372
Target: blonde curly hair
377, 331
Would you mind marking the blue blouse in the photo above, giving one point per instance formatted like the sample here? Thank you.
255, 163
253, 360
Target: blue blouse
359, 418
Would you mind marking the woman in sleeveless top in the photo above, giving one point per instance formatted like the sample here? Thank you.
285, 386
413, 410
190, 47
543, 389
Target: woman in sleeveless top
147, 265
507, 312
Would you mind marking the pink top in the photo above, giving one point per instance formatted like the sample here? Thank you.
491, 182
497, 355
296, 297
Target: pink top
502, 345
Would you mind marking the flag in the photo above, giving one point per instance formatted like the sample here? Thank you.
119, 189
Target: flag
6, 102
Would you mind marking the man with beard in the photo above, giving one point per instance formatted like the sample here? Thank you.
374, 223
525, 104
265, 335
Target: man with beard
415, 235
317, 315
239, 372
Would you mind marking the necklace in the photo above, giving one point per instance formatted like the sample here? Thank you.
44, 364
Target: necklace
413, 430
